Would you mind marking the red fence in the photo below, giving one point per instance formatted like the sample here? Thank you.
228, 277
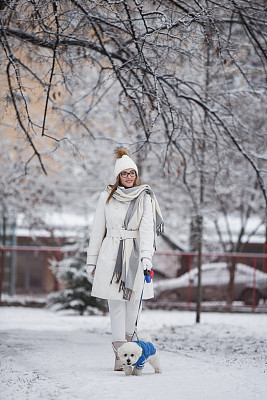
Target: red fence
25, 269
229, 280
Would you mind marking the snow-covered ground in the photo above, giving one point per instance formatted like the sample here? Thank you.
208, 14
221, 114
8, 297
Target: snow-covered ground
46, 355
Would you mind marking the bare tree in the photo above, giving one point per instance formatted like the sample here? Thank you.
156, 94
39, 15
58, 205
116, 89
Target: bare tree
137, 44
180, 71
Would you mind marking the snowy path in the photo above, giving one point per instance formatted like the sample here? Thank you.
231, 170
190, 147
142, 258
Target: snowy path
51, 356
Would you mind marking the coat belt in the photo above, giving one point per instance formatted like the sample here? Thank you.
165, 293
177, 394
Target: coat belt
122, 233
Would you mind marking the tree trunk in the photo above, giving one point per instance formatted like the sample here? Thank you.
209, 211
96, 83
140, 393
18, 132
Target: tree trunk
230, 294
2, 255
199, 263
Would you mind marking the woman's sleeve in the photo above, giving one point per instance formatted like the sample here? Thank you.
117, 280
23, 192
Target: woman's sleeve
98, 231
146, 230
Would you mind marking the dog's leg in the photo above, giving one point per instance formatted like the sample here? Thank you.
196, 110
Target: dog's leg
137, 371
154, 362
127, 370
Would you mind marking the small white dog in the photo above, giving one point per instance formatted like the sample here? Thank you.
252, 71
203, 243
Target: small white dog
135, 354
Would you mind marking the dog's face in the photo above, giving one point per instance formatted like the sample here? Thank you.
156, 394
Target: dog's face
129, 353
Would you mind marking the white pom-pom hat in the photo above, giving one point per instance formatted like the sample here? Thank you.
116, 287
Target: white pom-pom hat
123, 162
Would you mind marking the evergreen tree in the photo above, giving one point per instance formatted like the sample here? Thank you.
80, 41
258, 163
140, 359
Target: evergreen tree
75, 292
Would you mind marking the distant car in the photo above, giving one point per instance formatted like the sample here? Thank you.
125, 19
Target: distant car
215, 285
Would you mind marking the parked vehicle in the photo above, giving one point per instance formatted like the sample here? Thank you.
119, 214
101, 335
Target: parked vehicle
215, 285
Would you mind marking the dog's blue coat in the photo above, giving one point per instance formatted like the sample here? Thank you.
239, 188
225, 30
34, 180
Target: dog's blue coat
148, 350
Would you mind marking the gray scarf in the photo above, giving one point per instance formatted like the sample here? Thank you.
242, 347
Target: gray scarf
128, 257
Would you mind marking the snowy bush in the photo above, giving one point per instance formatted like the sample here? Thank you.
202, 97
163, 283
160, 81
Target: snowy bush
75, 292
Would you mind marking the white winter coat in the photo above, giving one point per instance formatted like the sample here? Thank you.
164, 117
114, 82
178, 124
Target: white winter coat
103, 250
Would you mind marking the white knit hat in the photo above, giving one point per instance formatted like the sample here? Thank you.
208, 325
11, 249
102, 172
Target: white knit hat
123, 161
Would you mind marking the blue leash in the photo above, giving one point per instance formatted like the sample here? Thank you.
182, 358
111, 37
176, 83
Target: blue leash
136, 322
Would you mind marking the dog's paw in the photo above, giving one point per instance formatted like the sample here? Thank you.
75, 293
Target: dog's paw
127, 370
137, 372
158, 370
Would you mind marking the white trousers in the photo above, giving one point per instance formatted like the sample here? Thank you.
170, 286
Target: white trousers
123, 315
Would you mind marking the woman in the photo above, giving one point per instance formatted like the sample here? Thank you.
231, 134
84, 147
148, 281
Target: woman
121, 247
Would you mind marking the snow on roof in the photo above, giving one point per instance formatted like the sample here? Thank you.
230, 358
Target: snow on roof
61, 224
235, 224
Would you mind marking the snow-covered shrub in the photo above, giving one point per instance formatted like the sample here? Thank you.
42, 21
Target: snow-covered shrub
75, 286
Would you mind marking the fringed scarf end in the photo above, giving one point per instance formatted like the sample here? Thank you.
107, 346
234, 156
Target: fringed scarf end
117, 276
160, 229
122, 286
127, 293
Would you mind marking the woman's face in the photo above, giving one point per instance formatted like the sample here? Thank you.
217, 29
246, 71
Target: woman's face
127, 177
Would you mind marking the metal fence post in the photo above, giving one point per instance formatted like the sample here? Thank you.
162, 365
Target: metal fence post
13, 268
254, 285
59, 258
189, 281
2, 271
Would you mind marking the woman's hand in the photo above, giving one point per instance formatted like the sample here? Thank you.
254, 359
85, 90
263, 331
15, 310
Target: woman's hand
146, 263
90, 268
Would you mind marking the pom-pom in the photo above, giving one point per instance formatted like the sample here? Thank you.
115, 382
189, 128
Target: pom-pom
121, 151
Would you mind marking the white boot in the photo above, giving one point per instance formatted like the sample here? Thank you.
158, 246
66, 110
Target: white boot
118, 364
131, 337
128, 337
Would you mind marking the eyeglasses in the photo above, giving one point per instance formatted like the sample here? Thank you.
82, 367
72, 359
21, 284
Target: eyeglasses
125, 174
